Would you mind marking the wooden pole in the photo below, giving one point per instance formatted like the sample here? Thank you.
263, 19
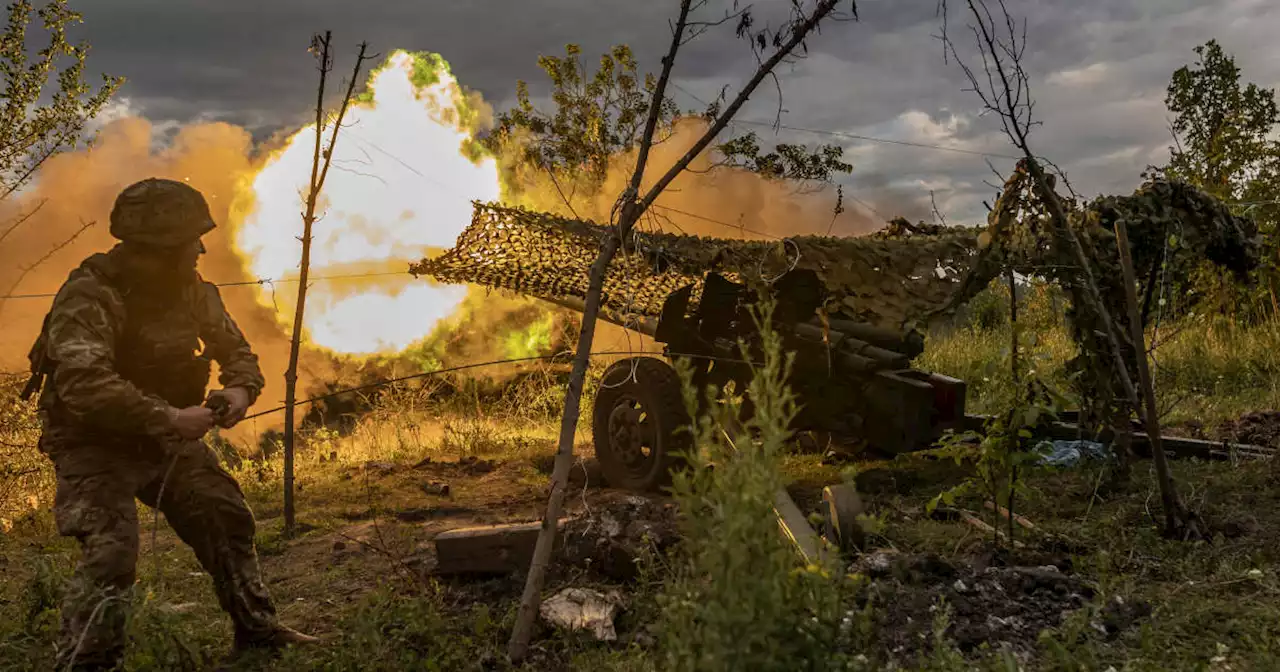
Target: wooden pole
522, 632
1173, 512
633, 206
319, 171
1013, 364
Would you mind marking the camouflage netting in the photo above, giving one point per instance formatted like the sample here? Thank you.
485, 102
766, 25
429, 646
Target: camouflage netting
887, 280
899, 277
1166, 222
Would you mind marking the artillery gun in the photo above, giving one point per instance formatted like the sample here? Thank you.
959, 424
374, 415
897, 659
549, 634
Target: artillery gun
851, 374
852, 380
848, 308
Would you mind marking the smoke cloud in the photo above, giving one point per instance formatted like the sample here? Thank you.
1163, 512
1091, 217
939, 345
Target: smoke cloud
78, 188
706, 199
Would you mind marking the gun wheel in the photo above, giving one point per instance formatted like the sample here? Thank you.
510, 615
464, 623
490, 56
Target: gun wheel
639, 423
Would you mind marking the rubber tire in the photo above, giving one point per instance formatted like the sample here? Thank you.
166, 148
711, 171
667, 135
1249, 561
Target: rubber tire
658, 388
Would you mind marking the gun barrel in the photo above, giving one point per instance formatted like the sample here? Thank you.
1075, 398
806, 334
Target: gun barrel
642, 324
861, 347
910, 345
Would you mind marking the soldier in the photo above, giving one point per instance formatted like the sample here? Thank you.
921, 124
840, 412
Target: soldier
122, 418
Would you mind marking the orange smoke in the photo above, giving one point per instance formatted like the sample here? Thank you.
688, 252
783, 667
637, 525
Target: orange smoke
380, 214
706, 199
81, 186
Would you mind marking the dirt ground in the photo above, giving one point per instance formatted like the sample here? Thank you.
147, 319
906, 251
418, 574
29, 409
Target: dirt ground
1091, 583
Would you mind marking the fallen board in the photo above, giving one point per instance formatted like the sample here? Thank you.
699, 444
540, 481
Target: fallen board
488, 549
792, 522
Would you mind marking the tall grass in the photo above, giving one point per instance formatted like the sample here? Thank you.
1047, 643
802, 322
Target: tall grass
26, 476
1205, 368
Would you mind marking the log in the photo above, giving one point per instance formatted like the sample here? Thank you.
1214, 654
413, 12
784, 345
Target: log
487, 549
1174, 446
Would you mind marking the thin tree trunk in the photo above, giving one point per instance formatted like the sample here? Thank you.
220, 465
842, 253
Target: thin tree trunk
1175, 516
530, 600
1013, 325
1013, 364
319, 171
308, 218
518, 647
630, 212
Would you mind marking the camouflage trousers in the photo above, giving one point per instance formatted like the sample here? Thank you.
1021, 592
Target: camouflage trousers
96, 489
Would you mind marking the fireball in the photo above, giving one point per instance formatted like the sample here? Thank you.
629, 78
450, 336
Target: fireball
405, 169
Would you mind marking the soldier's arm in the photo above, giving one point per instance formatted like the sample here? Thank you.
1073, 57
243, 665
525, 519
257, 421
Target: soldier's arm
82, 336
237, 364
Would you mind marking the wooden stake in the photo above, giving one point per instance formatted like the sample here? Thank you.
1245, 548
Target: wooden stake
632, 208
1013, 363
1173, 512
319, 171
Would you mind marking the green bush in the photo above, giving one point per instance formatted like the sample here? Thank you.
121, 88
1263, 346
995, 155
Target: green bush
736, 599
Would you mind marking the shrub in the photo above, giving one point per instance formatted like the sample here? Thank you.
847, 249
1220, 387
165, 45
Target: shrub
736, 599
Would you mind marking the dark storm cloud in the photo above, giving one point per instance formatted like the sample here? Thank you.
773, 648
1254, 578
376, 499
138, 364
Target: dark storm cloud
241, 59
1099, 70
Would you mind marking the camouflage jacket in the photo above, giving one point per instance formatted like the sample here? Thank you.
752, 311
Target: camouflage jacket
97, 334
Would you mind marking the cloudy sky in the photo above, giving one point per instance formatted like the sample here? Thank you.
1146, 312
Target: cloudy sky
1099, 71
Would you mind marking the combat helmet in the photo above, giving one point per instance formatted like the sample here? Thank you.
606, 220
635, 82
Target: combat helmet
160, 213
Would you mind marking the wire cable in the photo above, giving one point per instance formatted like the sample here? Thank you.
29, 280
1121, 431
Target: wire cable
855, 136
241, 283
464, 367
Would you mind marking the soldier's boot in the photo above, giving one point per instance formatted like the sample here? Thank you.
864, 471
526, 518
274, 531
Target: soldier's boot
278, 637
209, 513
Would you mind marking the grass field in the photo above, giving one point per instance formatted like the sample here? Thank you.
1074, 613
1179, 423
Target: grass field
1091, 585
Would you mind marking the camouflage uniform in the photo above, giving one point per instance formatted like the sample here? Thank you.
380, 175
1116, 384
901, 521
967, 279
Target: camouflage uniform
119, 357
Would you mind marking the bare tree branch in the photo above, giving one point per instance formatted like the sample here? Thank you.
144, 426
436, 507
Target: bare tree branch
22, 219
933, 202
823, 9
47, 255
319, 172
1007, 93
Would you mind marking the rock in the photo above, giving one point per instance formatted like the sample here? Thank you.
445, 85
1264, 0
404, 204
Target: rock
643, 639
383, 468
1120, 614
583, 609
436, 488
877, 564
612, 537
476, 466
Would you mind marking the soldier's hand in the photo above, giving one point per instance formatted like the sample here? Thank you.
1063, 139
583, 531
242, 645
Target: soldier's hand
192, 422
237, 403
